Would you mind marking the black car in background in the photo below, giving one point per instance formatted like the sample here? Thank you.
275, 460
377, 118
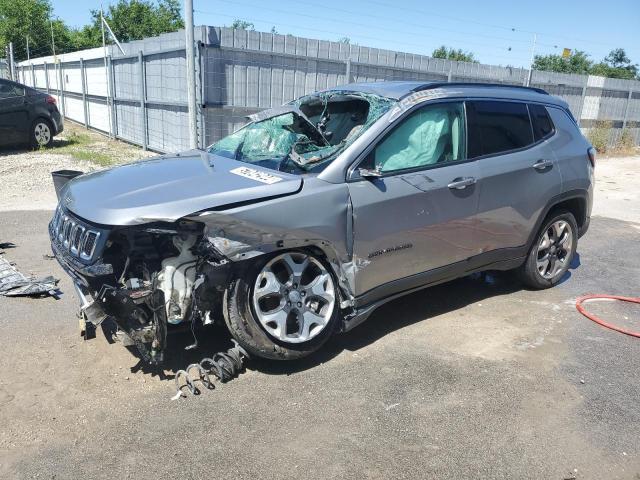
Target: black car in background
27, 116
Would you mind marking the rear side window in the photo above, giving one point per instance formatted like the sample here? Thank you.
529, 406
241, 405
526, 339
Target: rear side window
496, 127
9, 90
542, 124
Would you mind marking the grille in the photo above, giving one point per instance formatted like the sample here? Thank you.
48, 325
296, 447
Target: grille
73, 235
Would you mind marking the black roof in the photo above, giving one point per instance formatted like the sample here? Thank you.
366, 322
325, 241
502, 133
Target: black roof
400, 89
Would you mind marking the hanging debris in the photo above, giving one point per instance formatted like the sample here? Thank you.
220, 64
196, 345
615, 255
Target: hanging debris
14, 284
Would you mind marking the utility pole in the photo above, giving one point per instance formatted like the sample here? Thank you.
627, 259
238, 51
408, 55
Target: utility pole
12, 74
106, 71
53, 42
191, 73
533, 52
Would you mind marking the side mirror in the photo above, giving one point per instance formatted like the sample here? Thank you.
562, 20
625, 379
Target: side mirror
370, 173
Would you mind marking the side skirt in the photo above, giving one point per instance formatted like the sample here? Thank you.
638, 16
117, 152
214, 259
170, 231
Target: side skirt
367, 303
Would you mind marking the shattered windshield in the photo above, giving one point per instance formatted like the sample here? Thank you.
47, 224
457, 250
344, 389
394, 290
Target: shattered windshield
306, 135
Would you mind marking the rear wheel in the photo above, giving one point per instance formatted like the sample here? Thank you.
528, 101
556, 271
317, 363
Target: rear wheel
551, 254
41, 133
286, 308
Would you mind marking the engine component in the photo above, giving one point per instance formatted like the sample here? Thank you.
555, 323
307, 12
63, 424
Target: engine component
177, 277
223, 365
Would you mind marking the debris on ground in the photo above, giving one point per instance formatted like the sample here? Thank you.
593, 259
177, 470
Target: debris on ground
13, 283
223, 365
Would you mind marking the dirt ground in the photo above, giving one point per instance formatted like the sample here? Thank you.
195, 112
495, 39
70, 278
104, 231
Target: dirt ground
476, 378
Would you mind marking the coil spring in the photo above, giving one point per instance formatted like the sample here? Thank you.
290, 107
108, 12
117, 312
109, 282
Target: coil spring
223, 365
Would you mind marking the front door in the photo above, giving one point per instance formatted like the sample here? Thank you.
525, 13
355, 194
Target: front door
419, 214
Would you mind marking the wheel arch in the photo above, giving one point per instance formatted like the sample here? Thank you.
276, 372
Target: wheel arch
575, 202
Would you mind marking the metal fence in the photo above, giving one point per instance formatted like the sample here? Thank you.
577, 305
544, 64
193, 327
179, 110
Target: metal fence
4, 68
141, 96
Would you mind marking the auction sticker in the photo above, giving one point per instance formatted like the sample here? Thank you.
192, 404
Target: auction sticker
256, 175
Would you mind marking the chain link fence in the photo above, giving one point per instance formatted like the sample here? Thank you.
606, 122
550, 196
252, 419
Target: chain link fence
141, 95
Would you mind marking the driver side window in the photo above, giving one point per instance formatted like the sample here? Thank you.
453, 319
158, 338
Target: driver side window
430, 136
9, 90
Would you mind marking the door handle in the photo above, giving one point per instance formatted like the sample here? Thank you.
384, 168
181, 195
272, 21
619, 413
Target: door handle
543, 164
461, 183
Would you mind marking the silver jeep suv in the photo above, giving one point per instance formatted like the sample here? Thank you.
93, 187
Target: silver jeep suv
308, 218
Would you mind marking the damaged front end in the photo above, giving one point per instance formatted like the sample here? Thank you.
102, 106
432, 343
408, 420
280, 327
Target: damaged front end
146, 278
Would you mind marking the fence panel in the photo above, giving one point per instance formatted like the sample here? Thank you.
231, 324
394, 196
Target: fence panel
142, 97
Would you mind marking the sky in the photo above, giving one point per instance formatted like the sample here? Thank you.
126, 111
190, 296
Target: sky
498, 32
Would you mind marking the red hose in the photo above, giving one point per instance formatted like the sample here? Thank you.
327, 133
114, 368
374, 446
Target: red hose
599, 321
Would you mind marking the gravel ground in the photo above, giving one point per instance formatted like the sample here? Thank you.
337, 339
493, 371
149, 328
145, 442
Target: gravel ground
26, 174
476, 378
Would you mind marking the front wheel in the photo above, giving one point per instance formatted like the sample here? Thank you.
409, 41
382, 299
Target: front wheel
551, 254
285, 308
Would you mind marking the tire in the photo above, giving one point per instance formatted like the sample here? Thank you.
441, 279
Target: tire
550, 257
41, 133
248, 324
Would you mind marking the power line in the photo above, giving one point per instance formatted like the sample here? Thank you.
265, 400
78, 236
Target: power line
336, 33
504, 27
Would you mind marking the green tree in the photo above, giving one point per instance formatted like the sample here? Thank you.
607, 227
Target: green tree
453, 54
577, 62
616, 65
243, 25
19, 19
132, 20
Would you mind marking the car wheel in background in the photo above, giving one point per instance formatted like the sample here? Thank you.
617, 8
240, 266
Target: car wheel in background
284, 308
41, 133
552, 251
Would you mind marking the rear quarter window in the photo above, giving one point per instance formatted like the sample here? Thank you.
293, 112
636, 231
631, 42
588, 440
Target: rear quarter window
496, 127
541, 121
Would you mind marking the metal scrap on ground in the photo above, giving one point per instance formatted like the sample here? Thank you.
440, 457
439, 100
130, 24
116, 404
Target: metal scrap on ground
13, 283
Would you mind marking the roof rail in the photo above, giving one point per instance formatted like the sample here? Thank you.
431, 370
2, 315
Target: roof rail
429, 86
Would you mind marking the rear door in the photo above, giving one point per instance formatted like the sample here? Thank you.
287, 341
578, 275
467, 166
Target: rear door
419, 214
518, 173
14, 115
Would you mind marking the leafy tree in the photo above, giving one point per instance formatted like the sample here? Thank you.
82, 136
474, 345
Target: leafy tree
243, 25
19, 19
132, 20
577, 62
616, 65
453, 54
345, 40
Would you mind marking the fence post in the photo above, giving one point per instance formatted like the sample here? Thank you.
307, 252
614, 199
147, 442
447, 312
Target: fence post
584, 95
33, 76
347, 73
143, 99
626, 109
111, 102
46, 75
83, 82
60, 88
449, 76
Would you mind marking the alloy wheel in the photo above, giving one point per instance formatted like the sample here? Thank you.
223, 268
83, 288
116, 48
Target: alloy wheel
554, 249
42, 133
294, 297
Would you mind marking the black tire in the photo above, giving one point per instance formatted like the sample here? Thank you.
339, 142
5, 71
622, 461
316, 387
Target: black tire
241, 321
35, 138
528, 272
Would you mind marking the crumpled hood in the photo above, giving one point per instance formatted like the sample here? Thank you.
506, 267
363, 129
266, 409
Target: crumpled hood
170, 187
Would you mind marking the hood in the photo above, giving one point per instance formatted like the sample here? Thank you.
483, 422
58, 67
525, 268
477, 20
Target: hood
170, 187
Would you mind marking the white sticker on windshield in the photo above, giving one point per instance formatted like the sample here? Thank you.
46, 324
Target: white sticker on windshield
256, 175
